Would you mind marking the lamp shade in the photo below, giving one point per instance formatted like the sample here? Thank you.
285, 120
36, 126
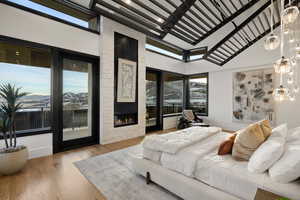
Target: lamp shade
290, 14
272, 42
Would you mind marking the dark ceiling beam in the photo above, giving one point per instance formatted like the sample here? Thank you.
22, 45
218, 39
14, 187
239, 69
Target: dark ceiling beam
250, 44
205, 15
227, 20
212, 61
261, 24
124, 21
256, 27
233, 44
137, 11
128, 15
173, 19
239, 28
198, 17
210, 10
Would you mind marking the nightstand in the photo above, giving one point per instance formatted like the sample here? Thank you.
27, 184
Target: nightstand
265, 195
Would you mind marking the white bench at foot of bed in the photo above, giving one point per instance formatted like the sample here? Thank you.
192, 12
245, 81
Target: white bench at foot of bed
182, 186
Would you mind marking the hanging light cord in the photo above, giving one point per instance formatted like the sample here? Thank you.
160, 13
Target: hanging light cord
281, 37
272, 13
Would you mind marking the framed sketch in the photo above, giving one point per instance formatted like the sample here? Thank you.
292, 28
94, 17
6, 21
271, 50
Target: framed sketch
126, 89
252, 95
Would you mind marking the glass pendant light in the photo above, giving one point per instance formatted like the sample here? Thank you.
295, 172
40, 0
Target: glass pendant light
272, 41
290, 14
297, 48
281, 93
290, 80
292, 96
296, 88
282, 66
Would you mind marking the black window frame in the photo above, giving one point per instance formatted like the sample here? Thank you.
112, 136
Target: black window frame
55, 63
164, 73
24, 8
188, 104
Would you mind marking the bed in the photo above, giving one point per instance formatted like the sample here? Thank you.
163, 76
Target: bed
197, 171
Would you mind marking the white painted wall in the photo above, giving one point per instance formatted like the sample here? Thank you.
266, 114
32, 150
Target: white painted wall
108, 133
24, 25
158, 61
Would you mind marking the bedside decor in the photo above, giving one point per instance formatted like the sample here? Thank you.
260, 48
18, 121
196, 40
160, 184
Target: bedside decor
126, 80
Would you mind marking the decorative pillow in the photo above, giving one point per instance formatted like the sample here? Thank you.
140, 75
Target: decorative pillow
247, 141
287, 169
226, 146
269, 152
266, 127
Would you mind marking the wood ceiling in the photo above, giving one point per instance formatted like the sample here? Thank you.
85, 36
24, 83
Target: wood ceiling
193, 21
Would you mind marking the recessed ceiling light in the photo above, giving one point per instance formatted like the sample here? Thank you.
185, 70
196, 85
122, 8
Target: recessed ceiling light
127, 1
160, 20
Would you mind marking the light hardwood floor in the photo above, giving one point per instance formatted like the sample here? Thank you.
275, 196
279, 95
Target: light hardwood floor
56, 178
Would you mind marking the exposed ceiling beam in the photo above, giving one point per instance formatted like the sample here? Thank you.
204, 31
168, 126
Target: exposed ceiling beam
173, 19
239, 28
228, 19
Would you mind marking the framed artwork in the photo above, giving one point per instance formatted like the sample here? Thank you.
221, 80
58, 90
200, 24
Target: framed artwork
126, 89
253, 95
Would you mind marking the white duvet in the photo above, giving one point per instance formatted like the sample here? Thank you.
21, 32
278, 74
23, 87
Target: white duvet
173, 142
186, 159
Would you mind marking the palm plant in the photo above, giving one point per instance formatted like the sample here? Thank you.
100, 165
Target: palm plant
8, 110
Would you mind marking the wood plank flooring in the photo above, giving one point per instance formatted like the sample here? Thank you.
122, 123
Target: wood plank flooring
56, 178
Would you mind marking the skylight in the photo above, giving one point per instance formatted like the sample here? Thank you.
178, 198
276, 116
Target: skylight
162, 51
51, 12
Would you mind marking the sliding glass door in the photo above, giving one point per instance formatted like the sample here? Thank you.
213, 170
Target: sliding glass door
78, 102
153, 121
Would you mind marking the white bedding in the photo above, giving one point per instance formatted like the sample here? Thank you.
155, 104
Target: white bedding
185, 160
231, 176
174, 142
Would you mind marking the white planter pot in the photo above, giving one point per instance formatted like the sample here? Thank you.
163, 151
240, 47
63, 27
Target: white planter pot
13, 162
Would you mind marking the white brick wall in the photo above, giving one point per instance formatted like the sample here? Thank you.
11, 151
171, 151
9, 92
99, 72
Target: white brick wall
108, 133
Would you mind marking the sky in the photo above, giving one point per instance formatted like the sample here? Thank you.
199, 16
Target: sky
49, 11
37, 80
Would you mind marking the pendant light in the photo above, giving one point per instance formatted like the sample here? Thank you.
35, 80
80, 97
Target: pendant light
290, 14
272, 41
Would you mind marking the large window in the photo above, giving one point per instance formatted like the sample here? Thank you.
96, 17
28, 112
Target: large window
28, 68
173, 93
163, 51
198, 94
61, 12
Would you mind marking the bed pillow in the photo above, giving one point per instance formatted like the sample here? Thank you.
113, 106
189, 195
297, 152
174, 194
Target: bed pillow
266, 127
287, 168
269, 152
226, 146
247, 141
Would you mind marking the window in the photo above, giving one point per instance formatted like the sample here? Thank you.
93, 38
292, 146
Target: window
163, 51
173, 93
198, 94
197, 54
28, 68
72, 16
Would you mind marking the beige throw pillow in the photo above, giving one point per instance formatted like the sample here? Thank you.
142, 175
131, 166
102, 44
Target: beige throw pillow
266, 127
247, 141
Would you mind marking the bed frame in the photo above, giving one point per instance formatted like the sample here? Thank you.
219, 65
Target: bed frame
178, 184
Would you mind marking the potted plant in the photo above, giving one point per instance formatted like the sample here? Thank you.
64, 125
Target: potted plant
13, 157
